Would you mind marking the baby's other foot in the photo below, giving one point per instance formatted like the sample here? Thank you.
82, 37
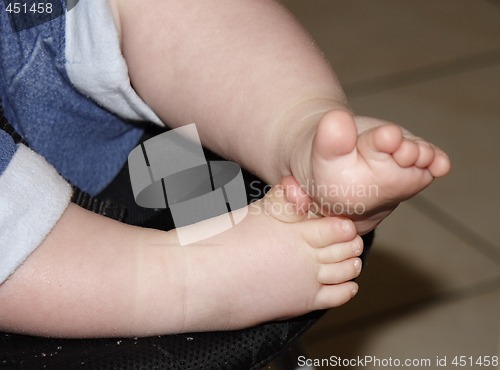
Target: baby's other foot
277, 263
364, 167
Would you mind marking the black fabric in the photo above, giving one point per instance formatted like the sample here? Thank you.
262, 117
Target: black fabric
103, 207
243, 349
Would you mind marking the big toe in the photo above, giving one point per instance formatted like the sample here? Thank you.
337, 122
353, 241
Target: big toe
286, 201
336, 134
294, 194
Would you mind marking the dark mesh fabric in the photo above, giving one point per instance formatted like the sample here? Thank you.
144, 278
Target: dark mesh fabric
244, 349
239, 350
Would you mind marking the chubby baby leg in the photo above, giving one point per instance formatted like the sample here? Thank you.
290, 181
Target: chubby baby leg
96, 277
275, 264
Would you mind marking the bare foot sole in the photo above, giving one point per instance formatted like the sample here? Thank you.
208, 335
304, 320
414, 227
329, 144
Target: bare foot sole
364, 167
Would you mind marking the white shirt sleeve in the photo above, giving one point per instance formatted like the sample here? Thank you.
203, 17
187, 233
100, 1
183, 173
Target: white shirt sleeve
33, 196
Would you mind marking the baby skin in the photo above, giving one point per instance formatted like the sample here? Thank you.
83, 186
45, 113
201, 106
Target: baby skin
278, 262
362, 168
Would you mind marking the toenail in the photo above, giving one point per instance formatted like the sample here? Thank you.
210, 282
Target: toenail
357, 265
347, 226
356, 247
354, 292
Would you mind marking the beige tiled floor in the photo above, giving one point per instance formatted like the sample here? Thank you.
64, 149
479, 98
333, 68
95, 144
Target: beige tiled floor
432, 284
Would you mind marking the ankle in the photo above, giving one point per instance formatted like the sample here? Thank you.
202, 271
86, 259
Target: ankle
295, 128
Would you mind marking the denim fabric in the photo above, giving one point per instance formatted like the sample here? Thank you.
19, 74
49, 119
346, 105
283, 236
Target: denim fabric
85, 143
7, 150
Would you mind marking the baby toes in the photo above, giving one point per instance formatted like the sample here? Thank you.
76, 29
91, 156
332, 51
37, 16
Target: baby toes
407, 153
295, 195
326, 231
337, 273
276, 205
384, 139
341, 251
426, 156
441, 164
330, 296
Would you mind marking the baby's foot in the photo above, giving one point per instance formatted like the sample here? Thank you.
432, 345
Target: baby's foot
363, 167
277, 263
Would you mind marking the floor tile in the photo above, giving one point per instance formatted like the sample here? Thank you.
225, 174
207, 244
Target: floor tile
495, 2
368, 39
465, 327
461, 114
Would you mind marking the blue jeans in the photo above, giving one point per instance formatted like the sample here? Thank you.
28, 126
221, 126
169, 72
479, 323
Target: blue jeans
87, 144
